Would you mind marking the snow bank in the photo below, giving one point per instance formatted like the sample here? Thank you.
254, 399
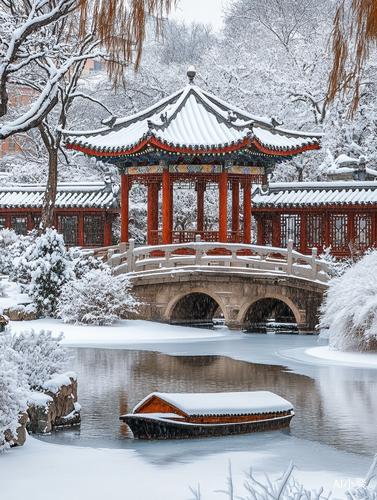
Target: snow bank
347, 358
323, 355
124, 332
108, 473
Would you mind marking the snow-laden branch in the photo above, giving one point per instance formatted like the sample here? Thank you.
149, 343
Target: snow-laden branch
47, 98
93, 99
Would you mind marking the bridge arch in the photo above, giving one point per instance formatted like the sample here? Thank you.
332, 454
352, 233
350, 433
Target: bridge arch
169, 311
241, 319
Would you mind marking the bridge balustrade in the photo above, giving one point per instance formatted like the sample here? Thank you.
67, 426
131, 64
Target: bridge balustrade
227, 257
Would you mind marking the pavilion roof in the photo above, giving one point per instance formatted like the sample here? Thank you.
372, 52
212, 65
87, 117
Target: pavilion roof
315, 194
69, 195
191, 120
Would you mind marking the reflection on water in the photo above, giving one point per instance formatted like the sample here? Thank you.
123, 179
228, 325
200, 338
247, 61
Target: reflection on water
337, 409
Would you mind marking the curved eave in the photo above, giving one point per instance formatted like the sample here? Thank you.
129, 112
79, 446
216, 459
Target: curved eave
186, 150
287, 152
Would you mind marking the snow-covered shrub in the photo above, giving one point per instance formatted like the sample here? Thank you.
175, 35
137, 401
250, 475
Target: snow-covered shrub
287, 488
13, 246
98, 298
13, 391
83, 263
349, 311
40, 356
50, 270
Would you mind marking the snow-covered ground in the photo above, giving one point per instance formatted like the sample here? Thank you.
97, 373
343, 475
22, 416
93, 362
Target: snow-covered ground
40, 470
324, 355
165, 470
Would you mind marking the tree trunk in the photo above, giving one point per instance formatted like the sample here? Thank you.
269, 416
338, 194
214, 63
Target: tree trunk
48, 209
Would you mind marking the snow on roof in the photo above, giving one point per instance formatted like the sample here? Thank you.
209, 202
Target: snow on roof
69, 195
225, 403
300, 194
190, 118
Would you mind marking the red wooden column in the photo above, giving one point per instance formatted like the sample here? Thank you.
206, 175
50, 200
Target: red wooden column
223, 191
166, 207
155, 212
107, 230
247, 213
276, 230
81, 229
303, 233
200, 189
124, 204
152, 218
236, 208
150, 214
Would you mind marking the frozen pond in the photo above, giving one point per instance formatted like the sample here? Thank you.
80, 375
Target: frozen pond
335, 405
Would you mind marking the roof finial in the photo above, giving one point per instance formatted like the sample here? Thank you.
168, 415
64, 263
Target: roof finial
191, 72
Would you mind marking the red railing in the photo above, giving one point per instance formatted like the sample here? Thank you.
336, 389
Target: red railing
190, 236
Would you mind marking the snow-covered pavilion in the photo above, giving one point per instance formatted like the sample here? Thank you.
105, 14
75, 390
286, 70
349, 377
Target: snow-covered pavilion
83, 212
337, 214
192, 137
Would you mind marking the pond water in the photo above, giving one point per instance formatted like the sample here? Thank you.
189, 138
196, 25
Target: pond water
336, 409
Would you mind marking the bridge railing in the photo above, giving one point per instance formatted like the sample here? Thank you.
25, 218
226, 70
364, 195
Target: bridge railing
222, 256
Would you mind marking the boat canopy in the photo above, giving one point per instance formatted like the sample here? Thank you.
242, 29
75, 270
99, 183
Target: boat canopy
228, 403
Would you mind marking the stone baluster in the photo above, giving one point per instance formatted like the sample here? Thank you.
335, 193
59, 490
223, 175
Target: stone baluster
198, 251
289, 257
130, 257
314, 264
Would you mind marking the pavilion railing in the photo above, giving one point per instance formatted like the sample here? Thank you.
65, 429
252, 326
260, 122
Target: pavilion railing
190, 236
229, 257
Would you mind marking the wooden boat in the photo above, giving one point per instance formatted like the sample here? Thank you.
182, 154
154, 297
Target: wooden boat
177, 416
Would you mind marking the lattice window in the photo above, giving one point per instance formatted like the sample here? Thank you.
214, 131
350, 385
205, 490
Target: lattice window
315, 231
3, 223
19, 224
68, 226
363, 230
339, 231
93, 231
290, 229
267, 230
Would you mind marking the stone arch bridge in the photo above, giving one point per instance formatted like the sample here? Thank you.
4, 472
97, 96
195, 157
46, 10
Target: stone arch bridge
243, 284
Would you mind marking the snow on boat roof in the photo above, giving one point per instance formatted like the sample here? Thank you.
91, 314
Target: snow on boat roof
225, 403
78, 195
299, 194
194, 119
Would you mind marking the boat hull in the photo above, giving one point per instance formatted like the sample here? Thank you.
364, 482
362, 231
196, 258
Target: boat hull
151, 428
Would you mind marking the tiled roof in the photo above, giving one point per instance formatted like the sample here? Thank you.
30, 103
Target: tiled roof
93, 195
304, 194
193, 119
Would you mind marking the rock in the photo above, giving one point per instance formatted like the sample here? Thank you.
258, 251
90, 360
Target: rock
30, 313
20, 438
51, 409
22, 313
15, 313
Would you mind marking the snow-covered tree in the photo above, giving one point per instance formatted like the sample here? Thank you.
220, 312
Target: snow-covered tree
50, 269
349, 311
40, 356
13, 391
98, 298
